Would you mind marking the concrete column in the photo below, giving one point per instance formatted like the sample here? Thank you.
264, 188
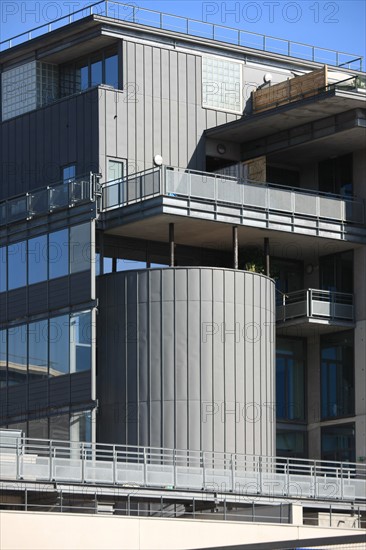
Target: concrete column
171, 245
235, 248
266, 256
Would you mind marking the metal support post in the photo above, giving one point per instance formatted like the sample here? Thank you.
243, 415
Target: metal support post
235, 248
145, 467
266, 256
171, 244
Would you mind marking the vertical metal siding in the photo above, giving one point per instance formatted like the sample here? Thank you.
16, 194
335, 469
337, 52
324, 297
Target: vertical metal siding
182, 386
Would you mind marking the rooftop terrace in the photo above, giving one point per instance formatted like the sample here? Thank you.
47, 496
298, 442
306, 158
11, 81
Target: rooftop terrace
150, 18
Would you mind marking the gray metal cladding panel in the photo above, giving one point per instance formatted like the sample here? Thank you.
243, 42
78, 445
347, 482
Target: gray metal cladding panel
58, 292
17, 400
3, 308
59, 391
159, 110
37, 298
36, 144
80, 387
192, 357
38, 395
80, 287
17, 303
3, 404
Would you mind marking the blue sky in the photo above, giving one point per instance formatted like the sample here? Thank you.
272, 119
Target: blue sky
338, 25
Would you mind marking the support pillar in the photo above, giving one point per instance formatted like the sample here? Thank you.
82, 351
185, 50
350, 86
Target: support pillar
171, 244
266, 256
235, 248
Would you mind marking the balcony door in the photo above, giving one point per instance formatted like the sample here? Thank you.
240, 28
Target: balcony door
335, 175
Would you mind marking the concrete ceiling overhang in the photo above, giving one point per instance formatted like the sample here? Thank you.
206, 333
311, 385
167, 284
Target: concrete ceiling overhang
255, 126
218, 236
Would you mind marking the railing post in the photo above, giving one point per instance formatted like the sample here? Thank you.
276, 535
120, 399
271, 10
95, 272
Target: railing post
287, 477
260, 474
114, 465
175, 469
145, 466
232, 460
51, 460
309, 302
342, 481
18, 459
315, 482
203, 471
82, 463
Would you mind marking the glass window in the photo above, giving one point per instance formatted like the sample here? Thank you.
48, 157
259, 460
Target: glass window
3, 358
96, 72
17, 263
3, 269
17, 355
38, 428
68, 173
81, 427
111, 70
58, 253
59, 344
37, 259
291, 443
338, 443
82, 76
60, 427
128, 265
80, 342
80, 248
290, 379
38, 350
221, 84
337, 375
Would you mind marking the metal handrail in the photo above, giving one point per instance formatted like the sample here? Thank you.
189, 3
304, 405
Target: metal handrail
306, 299
108, 9
79, 462
45, 200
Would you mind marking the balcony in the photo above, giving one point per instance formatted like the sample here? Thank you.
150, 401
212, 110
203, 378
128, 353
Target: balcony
312, 84
213, 197
315, 306
46, 200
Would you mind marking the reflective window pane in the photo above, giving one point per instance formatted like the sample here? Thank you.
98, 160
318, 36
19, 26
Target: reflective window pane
17, 263
338, 443
17, 355
37, 259
58, 253
68, 173
290, 379
38, 428
291, 443
81, 76
38, 350
80, 248
96, 73
2, 358
80, 342
60, 427
337, 375
59, 345
111, 71
80, 427
2, 269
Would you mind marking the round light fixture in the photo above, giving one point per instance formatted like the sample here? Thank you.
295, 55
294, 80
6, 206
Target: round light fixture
158, 160
221, 149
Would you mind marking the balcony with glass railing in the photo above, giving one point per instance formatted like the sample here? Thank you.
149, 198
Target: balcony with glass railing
47, 200
315, 306
218, 197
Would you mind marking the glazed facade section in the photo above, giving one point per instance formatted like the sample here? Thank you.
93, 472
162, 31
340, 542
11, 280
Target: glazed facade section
187, 359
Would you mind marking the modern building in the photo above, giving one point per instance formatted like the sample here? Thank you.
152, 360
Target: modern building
183, 239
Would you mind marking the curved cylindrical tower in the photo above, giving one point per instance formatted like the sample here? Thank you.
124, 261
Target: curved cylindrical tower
187, 359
